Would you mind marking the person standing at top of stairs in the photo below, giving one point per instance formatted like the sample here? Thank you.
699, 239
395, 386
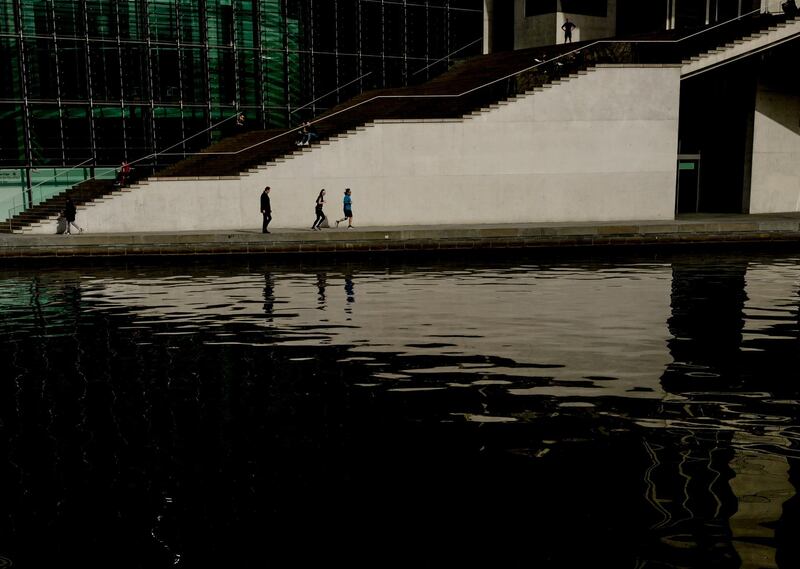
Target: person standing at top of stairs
568, 26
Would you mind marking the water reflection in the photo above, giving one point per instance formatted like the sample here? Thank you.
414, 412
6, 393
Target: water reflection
497, 412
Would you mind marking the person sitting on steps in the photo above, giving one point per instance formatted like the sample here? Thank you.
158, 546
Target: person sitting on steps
124, 174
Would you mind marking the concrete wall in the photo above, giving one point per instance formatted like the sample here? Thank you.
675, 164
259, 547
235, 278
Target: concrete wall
533, 31
488, 14
545, 29
775, 182
599, 147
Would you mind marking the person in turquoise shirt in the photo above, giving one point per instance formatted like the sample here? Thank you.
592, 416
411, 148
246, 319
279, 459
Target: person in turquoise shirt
348, 209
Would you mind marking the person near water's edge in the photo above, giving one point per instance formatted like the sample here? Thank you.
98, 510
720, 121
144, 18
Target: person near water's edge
69, 213
318, 210
348, 209
266, 210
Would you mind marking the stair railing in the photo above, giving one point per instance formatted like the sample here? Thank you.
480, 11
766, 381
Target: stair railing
38, 187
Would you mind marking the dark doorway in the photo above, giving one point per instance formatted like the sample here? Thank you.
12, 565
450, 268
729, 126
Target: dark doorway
716, 123
688, 190
503, 26
638, 16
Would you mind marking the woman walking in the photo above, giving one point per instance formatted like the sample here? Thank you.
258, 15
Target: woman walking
318, 210
69, 214
348, 210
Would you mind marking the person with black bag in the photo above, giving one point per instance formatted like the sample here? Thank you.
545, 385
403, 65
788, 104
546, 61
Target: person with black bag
317, 226
69, 213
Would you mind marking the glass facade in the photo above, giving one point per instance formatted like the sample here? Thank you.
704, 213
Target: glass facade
93, 82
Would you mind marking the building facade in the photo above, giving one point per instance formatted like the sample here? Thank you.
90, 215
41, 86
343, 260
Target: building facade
519, 24
95, 82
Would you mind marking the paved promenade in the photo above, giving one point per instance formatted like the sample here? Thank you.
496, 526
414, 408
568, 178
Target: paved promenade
698, 228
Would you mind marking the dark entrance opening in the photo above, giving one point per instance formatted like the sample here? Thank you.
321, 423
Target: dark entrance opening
688, 190
638, 16
716, 124
503, 26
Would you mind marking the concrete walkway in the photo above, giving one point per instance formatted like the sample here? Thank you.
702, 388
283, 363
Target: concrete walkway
696, 228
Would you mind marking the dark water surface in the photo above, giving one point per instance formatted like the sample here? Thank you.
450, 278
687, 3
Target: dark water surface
631, 413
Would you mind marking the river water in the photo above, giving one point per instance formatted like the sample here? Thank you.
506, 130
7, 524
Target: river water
522, 412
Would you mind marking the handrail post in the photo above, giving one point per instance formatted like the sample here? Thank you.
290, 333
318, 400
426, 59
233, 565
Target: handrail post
28, 185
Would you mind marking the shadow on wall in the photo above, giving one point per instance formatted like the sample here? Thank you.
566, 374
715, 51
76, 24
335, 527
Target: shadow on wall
781, 85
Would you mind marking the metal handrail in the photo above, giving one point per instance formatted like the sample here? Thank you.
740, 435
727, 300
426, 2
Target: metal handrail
494, 81
330, 92
462, 48
14, 205
12, 211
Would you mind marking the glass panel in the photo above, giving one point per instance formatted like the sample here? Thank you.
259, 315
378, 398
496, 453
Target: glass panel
166, 74
138, 133
7, 17
134, 72
189, 23
273, 62
9, 69
222, 80
193, 75
101, 18
105, 66
68, 17
45, 134
40, 61
394, 29
77, 133
12, 135
109, 130
162, 20
12, 191
72, 70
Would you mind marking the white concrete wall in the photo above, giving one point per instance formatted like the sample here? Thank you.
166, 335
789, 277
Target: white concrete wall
773, 6
589, 27
599, 147
775, 182
488, 16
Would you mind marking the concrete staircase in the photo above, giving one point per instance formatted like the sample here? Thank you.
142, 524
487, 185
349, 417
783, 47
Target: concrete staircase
774, 35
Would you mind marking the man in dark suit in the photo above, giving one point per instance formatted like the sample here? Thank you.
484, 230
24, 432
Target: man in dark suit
266, 210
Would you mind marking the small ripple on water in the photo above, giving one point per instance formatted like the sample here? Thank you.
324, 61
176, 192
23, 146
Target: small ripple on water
485, 418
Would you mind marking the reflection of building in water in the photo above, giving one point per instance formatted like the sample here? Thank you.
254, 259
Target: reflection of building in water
705, 326
714, 501
712, 485
788, 554
686, 486
762, 485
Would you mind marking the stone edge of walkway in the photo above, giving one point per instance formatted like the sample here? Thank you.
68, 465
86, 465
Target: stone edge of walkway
784, 228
